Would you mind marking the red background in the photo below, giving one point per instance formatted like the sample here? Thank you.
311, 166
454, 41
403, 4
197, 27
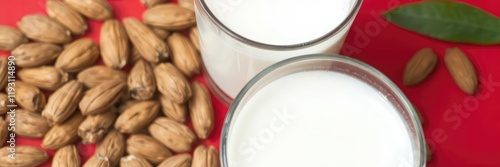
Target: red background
462, 130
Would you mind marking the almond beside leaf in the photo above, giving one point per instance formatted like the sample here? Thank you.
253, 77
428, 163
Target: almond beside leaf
171, 83
63, 134
63, 102
150, 47
99, 98
147, 147
462, 70
114, 44
169, 16
93, 9
10, 38
179, 160
45, 77
141, 81
66, 157
44, 29
78, 55
96, 75
36, 54
67, 16
29, 124
94, 127
26, 156
419, 67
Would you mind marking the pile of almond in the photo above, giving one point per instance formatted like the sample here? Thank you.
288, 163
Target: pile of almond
104, 104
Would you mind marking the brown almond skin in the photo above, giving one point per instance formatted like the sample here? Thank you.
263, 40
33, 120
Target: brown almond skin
171, 83
93, 9
4, 101
98, 161
184, 55
141, 81
169, 16
161, 33
67, 16
188, 4
36, 54
78, 55
99, 98
202, 112
176, 136
419, 67
112, 147
67, 157
148, 45
10, 38
63, 134
4, 71
151, 3
175, 111
114, 44
96, 75
29, 124
134, 161
45, 77
137, 117
179, 160
462, 70
44, 29
29, 97
94, 127
147, 147
193, 35
26, 156
4, 132
63, 102
135, 56
205, 157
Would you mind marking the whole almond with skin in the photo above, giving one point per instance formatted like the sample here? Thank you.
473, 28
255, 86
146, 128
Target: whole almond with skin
96, 75
36, 54
44, 29
4, 132
97, 161
161, 33
202, 112
67, 157
147, 147
99, 98
184, 54
10, 38
169, 16
45, 77
93, 9
419, 67
112, 147
125, 105
4, 101
137, 117
63, 102
205, 157
176, 136
63, 134
188, 4
462, 70
151, 3
134, 161
114, 44
179, 160
141, 81
171, 83
173, 110
4, 73
78, 55
67, 16
94, 127
29, 97
26, 156
29, 124
150, 47
193, 35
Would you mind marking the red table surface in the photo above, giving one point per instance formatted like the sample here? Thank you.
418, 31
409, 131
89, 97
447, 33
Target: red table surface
462, 130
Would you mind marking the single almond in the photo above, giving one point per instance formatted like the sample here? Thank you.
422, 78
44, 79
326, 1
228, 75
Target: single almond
171, 83
4, 71
193, 35
99, 98
147, 147
169, 16
419, 67
36, 54
45, 77
67, 16
4, 101
63, 102
67, 156
112, 147
29, 124
44, 29
93, 9
25, 156
205, 157
94, 127
78, 55
95, 75
63, 134
97, 160
175, 111
141, 81
134, 161
151, 3
126, 105
176, 136
202, 112
4, 132
462, 70
114, 44
29, 97
137, 117
10, 38
179, 160
150, 47
188, 4
184, 55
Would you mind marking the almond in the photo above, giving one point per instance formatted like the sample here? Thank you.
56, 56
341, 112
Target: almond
141, 81
44, 29
150, 47
176, 136
184, 55
188, 4
66, 157
112, 147
161, 33
26, 156
29, 124
205, 157
63, 102
151, 3
202, 114
193, 35
4, 101
97, 160
29, 97
45, 77
10, 38
63, 134
93, 9
137, 117
147, 147
179, 160
169, 16
173, 110
78, 55
171, 83
462, 70
101, 97
114, 44
4, 72
36, 54
96, 75
67, 16
94, 127
419, 67
4, 132
134, 161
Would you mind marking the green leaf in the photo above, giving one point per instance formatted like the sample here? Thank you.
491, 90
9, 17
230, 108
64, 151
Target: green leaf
448, 21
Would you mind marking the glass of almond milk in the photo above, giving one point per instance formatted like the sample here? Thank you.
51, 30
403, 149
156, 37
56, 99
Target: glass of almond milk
239, 38
321, 111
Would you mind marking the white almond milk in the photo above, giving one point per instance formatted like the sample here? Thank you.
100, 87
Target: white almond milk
319, 119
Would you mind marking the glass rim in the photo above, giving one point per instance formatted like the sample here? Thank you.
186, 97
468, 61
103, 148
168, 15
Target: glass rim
379, 75
352, 13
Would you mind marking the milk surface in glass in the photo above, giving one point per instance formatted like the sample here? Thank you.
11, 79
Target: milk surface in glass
231, 64
320, 119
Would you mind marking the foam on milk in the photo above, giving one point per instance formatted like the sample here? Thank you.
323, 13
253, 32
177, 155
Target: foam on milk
319, 118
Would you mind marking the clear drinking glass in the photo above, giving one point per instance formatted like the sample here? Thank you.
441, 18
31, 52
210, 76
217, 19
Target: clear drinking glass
334, 63
231, 59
